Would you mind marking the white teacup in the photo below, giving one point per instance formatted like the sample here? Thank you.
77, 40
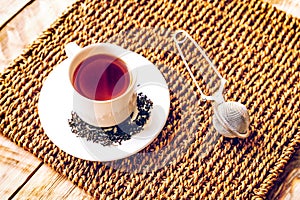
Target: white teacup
101, 113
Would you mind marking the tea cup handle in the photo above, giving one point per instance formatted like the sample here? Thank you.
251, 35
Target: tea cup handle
72, 49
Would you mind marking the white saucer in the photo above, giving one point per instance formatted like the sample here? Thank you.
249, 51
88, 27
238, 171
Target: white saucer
56, 103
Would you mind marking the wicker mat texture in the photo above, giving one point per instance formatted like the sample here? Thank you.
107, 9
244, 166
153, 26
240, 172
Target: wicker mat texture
254, 46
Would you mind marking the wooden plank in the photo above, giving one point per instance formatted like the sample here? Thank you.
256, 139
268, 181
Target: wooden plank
27, 26
16, 165
9, 8
47, 184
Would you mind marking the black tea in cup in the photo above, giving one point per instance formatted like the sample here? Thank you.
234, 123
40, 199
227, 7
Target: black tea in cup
101, 77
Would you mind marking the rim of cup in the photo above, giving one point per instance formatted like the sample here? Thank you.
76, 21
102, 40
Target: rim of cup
132, 73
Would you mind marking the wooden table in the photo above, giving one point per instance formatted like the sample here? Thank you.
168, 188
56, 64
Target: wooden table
23, 176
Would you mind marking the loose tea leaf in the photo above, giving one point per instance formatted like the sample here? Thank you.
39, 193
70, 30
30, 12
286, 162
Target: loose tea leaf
116, 134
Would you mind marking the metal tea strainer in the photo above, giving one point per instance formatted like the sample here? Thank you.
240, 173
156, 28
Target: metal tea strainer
231, 119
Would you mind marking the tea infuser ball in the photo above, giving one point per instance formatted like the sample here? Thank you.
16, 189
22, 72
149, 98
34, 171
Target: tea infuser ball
231, 119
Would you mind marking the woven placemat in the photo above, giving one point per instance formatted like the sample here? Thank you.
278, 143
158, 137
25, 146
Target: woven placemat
255, 47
